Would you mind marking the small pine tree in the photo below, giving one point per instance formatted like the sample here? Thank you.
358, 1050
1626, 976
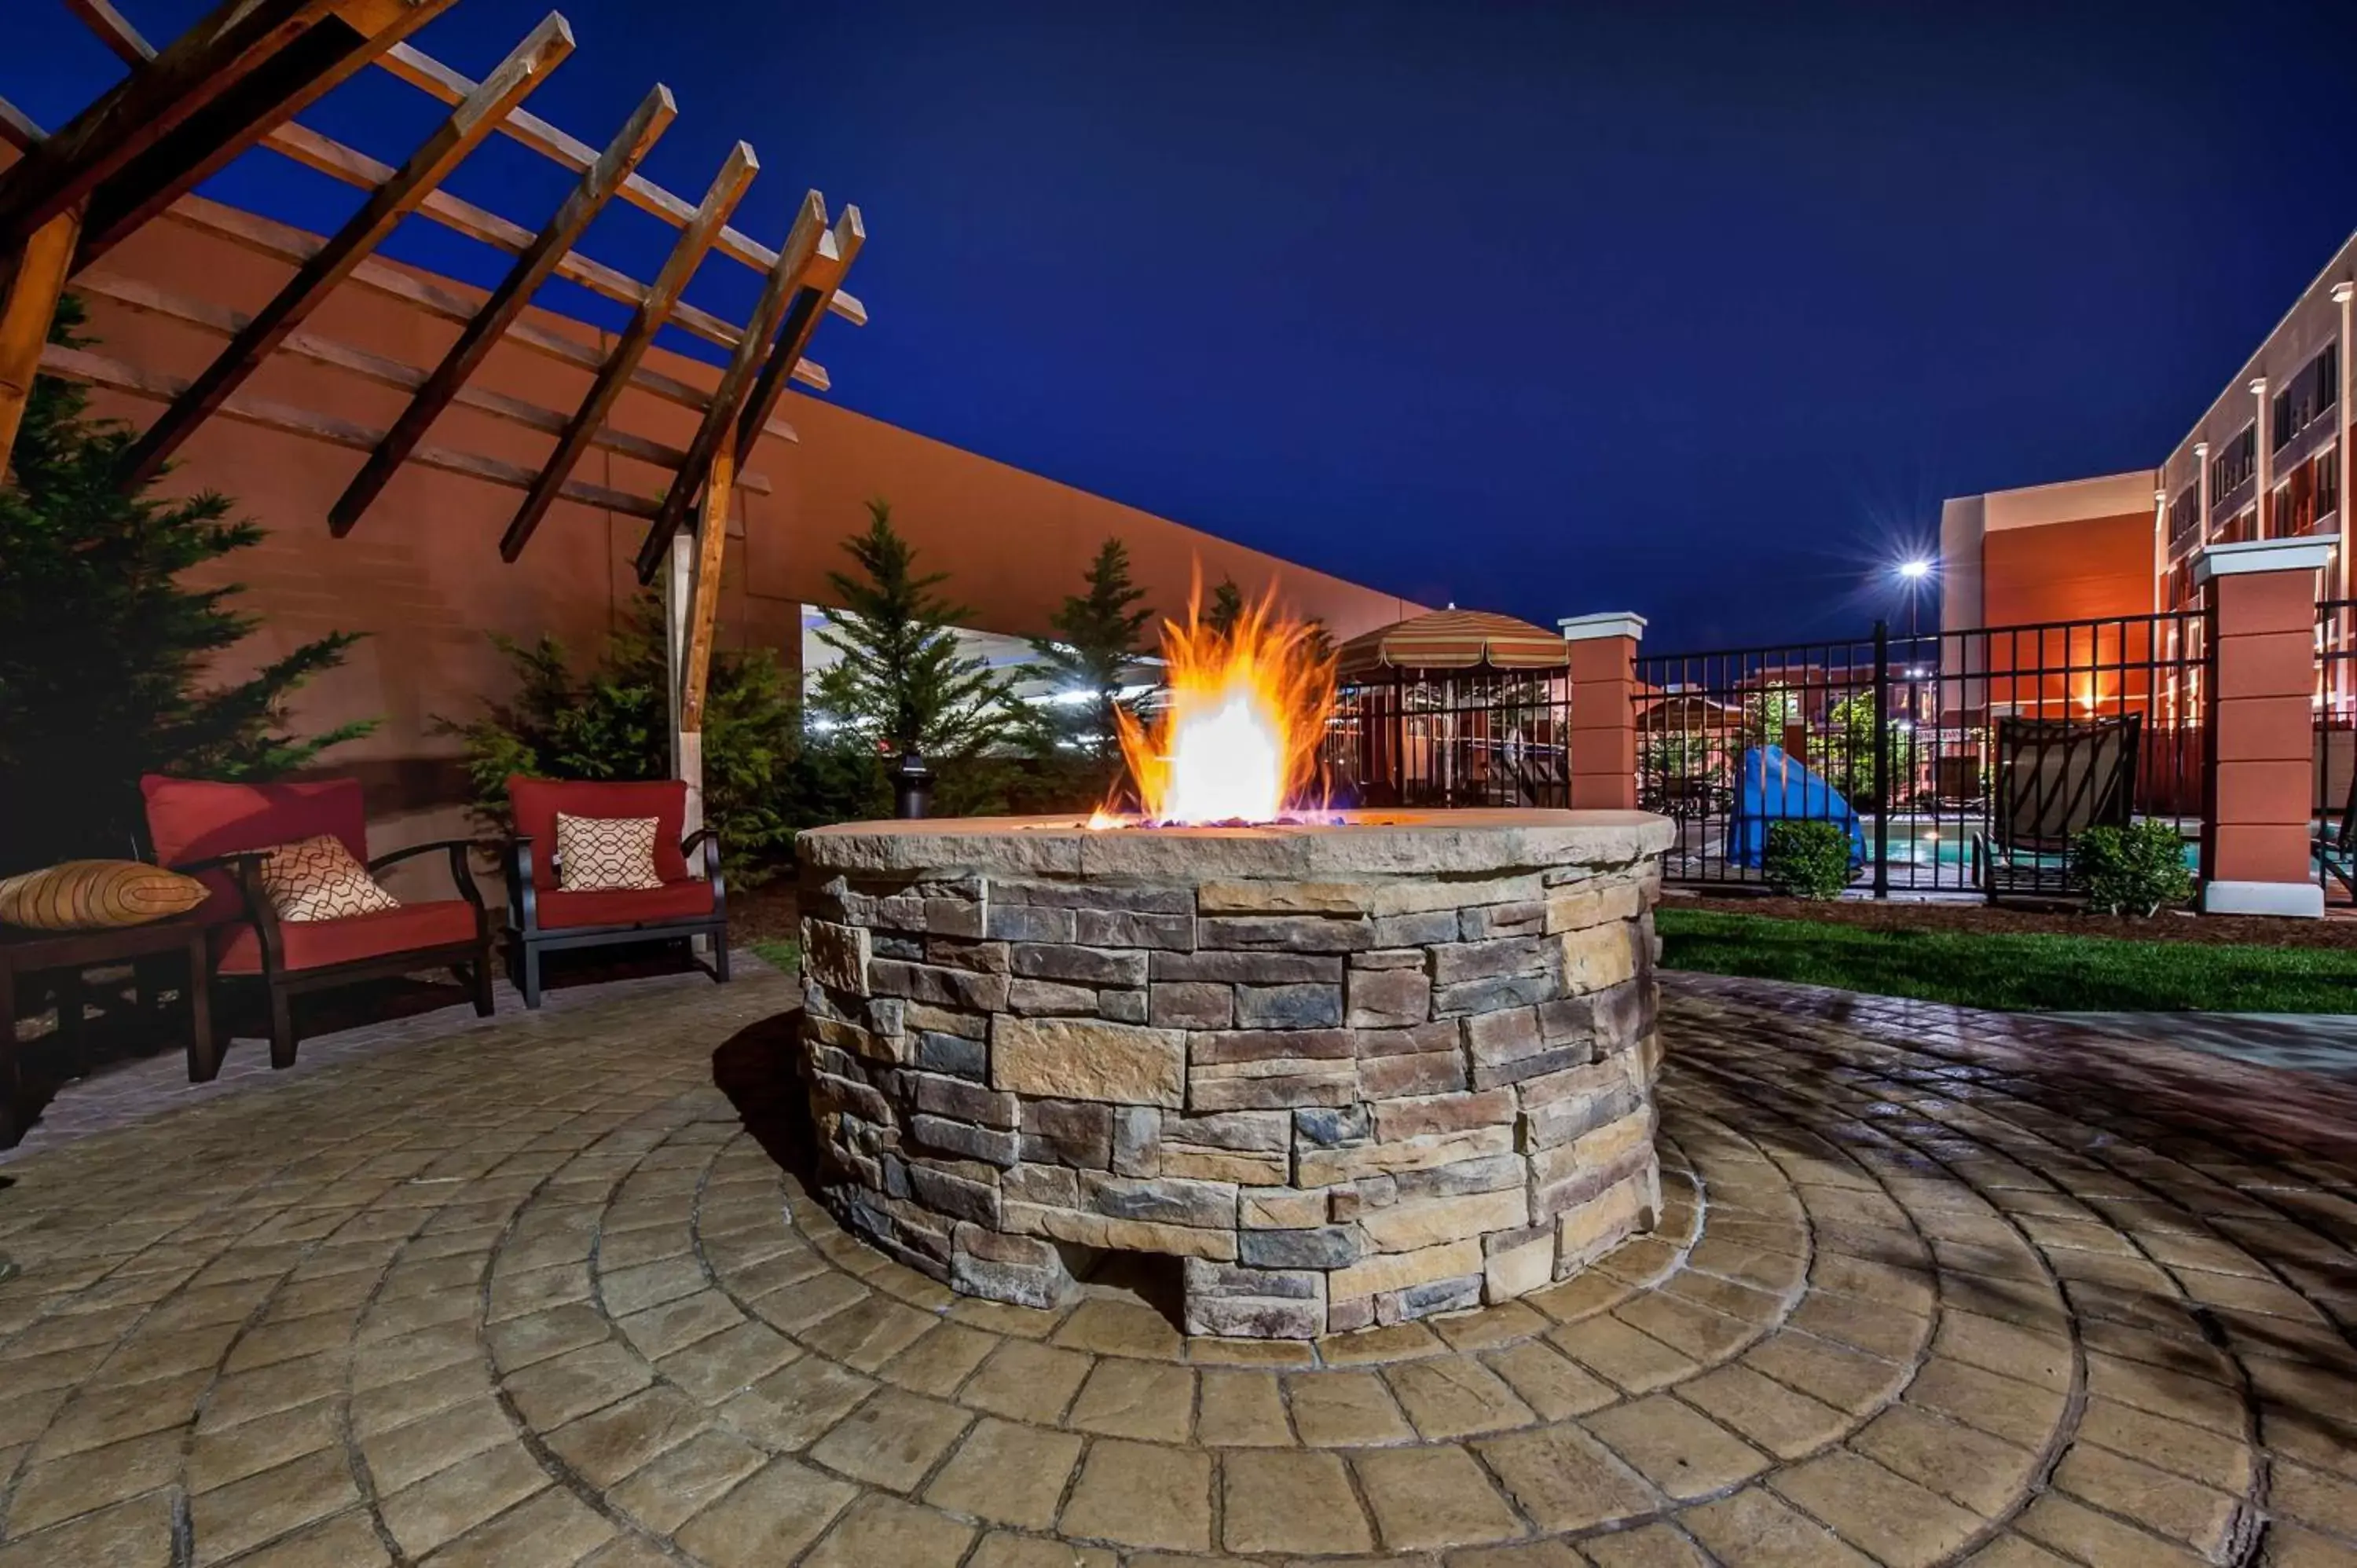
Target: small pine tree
1227, 606
104, 652
900, 682
1098, 633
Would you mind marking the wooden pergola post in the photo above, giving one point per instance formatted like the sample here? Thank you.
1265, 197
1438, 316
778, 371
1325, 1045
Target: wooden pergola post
691, 611
26, 312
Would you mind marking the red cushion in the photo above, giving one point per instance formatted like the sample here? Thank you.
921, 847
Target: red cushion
536, 801
623, 907
194, 819
313, 944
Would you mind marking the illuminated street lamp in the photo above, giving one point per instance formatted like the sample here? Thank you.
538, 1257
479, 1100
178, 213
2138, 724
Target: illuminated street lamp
1914, 573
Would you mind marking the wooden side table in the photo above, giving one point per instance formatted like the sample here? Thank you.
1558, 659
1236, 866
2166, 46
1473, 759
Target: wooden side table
31, 953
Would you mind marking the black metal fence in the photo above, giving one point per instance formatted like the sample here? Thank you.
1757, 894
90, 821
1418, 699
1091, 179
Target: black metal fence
2335, 798
1473, 737
1957, 762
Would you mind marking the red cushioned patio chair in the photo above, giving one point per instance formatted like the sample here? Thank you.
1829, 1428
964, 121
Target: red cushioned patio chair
219, 832
545, 917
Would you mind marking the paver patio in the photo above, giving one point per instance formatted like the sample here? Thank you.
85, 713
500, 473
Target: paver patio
1930, 1287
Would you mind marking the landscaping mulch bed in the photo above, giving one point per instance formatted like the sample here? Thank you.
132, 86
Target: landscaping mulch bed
765, 914
1901, 914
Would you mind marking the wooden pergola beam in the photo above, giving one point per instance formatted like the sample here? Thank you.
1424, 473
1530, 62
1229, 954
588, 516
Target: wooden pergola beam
237, 38
424, 71
694, 244
802, 319
526, 66
16, 128
325, 56
265, 237
219, 321
338, 161
98, 370
717, 434
476, 341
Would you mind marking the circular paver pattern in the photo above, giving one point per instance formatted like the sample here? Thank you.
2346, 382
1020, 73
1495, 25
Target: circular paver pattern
535, 1294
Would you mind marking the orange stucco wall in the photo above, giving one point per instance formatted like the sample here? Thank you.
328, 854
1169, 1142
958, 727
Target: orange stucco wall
421, 574
2076, 570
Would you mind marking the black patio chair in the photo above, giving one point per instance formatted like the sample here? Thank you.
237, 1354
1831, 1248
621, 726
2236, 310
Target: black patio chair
2055, 779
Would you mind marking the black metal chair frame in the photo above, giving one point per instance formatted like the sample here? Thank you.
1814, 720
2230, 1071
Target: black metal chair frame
2109, 801
528, 939
471, 960
2336, 848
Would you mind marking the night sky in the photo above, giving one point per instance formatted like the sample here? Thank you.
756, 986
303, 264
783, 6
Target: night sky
1696, 311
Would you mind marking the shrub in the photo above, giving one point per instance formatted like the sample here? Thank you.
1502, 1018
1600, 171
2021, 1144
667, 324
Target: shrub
2135, 871
110, 657
613, 722
1807, 860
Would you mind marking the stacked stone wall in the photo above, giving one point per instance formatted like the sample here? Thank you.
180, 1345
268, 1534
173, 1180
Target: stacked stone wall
1341, 1104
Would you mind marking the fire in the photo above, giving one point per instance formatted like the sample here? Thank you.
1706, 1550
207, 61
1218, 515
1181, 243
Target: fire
1238, 735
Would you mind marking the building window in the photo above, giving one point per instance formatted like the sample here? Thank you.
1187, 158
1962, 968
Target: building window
2312, 390
2235, 465
2327, 484
2185, 512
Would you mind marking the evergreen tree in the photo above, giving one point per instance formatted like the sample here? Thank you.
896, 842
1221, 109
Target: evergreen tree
900, 683
1098, 633
105, 653
1227, 606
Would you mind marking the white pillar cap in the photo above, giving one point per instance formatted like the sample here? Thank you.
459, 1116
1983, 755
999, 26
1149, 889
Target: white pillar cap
2250, 555
1610, 623
2343, 291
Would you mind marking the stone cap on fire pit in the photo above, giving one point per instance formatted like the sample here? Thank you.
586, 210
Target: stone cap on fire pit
1454, 843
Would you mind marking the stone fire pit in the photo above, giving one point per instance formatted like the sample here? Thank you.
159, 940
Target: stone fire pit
1351, 1073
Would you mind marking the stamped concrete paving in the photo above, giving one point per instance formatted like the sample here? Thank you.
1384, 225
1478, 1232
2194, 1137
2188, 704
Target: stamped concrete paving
1928, 1288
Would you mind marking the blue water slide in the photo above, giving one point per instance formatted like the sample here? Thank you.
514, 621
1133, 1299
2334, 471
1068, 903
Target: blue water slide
1774, 786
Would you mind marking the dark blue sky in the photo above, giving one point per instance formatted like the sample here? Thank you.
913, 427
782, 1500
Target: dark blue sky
1693, 310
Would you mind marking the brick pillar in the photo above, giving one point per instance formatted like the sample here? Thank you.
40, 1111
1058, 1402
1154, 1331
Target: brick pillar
1603, 710
2254, 844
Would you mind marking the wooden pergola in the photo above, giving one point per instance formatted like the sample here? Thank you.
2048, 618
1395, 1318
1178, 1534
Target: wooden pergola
235, 82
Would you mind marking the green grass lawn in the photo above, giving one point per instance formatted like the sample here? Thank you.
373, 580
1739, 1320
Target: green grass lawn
2014, 970
786, 956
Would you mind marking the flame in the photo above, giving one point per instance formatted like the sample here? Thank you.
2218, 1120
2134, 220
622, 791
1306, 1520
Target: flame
1244, 715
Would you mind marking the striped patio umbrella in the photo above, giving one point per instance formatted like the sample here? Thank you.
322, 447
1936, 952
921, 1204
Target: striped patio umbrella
1452, 640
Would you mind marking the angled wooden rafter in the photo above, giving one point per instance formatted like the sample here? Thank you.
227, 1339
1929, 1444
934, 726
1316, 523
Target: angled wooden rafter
330, 52
28, 302
525, 67
716, 433
507, 302
16, 128
234, 42
694, 242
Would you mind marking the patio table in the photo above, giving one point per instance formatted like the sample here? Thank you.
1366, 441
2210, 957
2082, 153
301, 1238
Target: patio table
34, 952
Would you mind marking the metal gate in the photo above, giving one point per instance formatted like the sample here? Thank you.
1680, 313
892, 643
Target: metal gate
1959, 763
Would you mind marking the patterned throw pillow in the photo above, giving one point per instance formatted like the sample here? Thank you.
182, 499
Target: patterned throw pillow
606, 855
317, 879
96, 894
